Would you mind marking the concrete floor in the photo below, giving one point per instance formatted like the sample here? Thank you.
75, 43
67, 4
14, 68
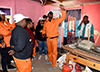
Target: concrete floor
38, 65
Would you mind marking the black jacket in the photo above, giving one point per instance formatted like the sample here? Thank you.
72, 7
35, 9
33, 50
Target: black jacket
38, 34
22, 43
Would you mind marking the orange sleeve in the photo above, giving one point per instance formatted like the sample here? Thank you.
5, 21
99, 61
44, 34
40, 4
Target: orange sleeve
35, 28
4, 32
59, 20
13, 25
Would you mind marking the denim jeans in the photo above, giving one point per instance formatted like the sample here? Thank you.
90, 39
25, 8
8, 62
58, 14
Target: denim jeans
42, 44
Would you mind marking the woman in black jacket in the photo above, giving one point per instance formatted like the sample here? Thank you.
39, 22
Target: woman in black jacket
41, 41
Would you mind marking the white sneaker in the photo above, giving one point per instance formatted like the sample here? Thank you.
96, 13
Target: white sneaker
40, 57
12, 61
31, 67
46, 57
34, 57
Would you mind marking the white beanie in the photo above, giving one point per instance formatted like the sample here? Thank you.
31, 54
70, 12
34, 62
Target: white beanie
41, 18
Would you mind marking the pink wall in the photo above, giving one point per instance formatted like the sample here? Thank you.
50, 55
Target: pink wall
29, 8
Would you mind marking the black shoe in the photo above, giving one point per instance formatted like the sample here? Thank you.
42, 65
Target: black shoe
11, 67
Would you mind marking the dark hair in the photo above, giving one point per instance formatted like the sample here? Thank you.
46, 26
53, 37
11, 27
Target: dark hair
0, 18
32, 29
39, 25
50, 12
44, 16
28, 20
85, 16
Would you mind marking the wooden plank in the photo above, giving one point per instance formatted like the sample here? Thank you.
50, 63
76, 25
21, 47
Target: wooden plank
67, 58
82, 53
82, 61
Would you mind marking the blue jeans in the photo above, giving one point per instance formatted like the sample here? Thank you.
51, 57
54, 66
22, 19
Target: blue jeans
42, 44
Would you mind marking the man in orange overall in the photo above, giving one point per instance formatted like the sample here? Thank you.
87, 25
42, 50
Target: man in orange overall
50, 30
5, 29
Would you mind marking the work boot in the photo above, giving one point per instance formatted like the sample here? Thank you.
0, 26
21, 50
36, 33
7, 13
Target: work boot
51, 68
48, 62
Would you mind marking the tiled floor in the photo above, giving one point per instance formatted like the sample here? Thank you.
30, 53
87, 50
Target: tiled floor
38, 65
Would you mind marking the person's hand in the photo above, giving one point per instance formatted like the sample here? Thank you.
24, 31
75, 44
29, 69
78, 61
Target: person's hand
3, 45
82, 22
61, 6
12, 46
44, 36
37, 41
11, 52
1, 36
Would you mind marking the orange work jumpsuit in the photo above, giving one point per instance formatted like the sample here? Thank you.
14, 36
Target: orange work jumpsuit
23, 65
34, 48
4, 30
51, 30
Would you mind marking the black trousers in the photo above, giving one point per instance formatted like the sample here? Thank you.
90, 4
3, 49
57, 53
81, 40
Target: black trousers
5, 57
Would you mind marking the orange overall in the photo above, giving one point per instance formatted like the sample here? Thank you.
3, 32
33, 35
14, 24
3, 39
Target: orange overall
51, 30
34, 48
23, 65
4, 30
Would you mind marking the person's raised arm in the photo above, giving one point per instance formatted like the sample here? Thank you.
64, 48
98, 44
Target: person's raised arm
59, 20
79, 27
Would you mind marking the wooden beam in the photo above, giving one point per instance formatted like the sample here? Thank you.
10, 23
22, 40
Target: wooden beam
82, 53
63, 0
36, 0
83, 61
49, 3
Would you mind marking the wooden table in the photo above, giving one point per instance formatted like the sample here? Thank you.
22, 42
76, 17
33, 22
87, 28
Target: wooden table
83, 57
